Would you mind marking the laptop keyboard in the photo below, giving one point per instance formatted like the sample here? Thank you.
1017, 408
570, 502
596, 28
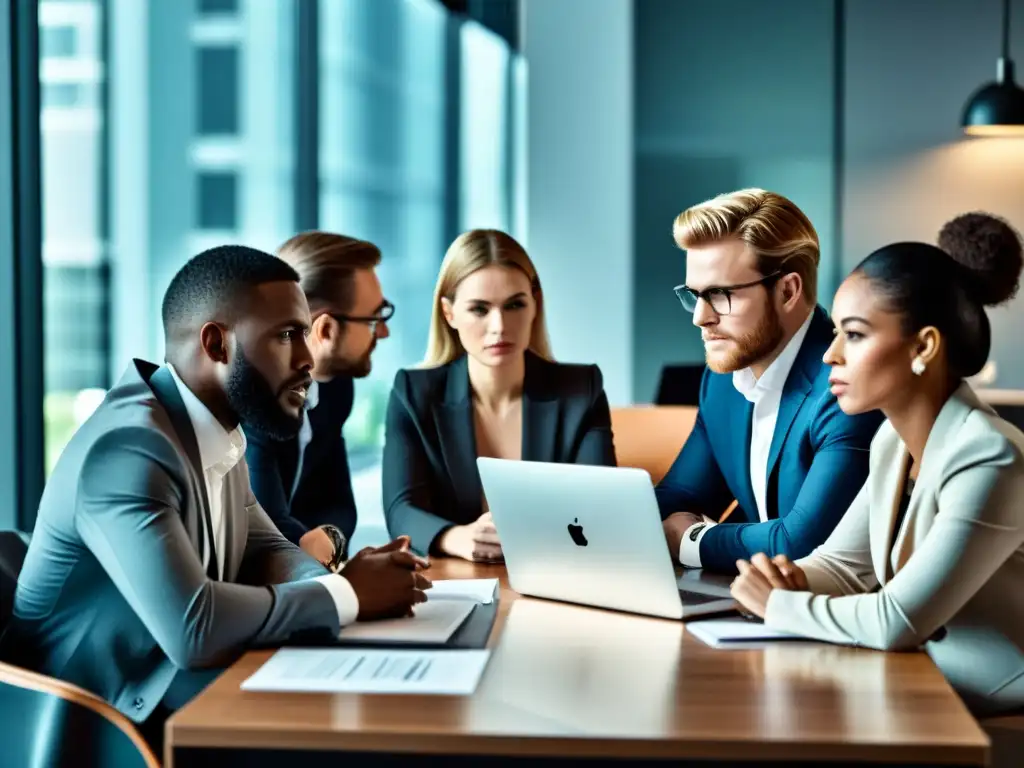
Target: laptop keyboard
697, 598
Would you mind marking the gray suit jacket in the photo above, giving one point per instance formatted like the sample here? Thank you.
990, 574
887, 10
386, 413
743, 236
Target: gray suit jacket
113, 595
958, 558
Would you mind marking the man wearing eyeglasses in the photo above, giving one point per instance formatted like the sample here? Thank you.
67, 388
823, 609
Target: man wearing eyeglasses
304, 483
769, 434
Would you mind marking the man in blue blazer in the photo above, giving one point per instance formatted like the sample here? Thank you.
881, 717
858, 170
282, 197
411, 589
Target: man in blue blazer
304, 483
769, 434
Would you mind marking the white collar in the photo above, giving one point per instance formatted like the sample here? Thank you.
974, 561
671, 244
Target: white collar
217, 446
773, 379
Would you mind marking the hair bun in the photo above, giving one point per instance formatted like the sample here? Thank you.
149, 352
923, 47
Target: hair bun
990, 252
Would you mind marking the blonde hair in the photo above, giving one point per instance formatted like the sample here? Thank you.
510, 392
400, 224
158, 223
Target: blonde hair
772, 225
326, 264
472, 251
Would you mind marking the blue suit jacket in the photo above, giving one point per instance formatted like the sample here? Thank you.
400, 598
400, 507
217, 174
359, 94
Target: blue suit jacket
324, 493
817, 462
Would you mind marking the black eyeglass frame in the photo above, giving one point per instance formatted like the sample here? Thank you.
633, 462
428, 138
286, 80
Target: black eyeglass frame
387, 311
684, 293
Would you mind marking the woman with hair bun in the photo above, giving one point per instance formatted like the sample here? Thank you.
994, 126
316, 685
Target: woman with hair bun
931, 552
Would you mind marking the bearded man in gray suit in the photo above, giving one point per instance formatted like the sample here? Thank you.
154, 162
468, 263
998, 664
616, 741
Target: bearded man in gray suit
151, 560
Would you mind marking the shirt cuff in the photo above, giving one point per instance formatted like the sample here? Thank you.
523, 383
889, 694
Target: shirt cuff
775, 608
689, 549
345, 600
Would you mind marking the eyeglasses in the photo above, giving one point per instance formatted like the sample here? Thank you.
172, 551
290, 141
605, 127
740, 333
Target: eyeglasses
719, 297
386, 312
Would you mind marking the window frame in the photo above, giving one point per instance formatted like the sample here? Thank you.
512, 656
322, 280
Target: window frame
21, 268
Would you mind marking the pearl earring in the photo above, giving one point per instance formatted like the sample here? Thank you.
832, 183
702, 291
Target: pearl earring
917, 366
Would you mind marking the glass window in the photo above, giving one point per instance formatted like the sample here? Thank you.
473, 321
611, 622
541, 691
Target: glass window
485, 125
75, 295
217, 201
218, 6
131, 192
218, 91
62, 94
383, 91
388, 104
170, 127
58, 41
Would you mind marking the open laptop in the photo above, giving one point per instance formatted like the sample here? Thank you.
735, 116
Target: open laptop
591, 535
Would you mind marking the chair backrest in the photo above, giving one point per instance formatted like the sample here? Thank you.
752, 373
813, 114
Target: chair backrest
12, 555
48, 722
1006, 734
1008, 403
52, 723
679, 384
650, 437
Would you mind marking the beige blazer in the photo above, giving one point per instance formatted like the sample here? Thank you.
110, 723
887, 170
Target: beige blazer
957, 560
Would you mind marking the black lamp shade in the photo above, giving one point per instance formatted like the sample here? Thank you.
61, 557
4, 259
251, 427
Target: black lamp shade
996, 109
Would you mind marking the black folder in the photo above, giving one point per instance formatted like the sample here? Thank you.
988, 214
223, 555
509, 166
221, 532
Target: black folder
471, 635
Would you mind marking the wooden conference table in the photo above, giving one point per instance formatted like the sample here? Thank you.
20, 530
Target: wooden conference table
568, 682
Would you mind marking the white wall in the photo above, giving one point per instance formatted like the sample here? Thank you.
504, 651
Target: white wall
579, 55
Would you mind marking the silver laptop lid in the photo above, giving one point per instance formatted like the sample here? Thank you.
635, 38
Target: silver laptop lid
582, 534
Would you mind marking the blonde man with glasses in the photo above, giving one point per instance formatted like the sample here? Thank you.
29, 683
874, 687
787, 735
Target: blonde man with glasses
769, 434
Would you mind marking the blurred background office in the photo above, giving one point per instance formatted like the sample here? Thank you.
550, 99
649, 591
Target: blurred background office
137, 132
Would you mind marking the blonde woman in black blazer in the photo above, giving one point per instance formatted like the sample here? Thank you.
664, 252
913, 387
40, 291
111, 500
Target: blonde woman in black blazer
488, 387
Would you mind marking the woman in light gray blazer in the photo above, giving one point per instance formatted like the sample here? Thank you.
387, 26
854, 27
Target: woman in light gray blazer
931, 552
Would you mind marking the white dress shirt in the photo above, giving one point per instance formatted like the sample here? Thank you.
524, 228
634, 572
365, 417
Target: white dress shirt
219, 452
305, 433
766, 395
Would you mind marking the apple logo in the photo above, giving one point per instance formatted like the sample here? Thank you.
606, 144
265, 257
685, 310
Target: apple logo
576, 533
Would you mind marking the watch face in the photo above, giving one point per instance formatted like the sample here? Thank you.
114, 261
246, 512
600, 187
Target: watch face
695, 531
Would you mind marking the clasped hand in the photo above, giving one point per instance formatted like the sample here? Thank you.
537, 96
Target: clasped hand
387, 580
760, 576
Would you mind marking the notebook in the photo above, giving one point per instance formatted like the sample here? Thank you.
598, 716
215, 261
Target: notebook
449, 603
434, 622
737, 633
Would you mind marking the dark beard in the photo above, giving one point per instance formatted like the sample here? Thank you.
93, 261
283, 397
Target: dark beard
256, 404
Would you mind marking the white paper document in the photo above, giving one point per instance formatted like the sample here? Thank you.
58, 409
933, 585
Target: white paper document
342, 670
433, 622
478, 590
736, 633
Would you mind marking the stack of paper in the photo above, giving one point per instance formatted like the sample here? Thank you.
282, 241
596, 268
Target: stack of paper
476, 590
449, 603
337, 670
736, 633
433, 623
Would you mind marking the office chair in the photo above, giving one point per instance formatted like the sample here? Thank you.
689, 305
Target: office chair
680, 384
1006, 733
650, 437
48, 723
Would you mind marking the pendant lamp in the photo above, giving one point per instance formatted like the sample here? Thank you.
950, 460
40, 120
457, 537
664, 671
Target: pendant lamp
997, 109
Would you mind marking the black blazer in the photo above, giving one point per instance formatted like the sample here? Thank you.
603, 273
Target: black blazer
324, 493
430, 479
